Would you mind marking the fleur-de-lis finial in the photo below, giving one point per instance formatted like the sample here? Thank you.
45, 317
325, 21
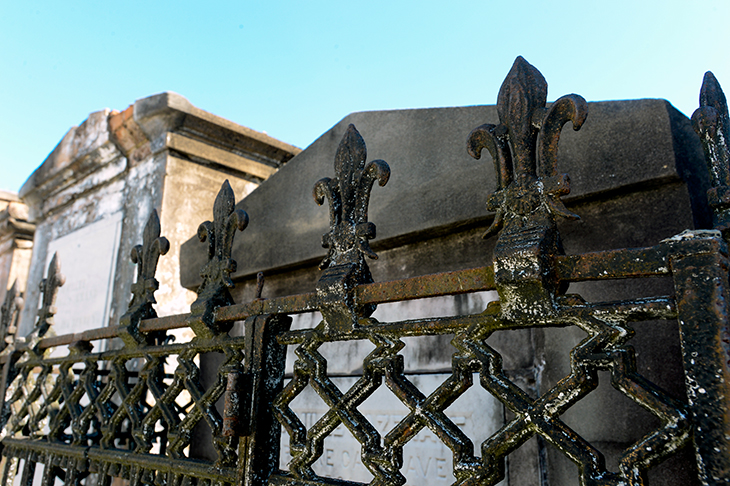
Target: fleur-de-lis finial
524, 147
216, 273
49, 291
10, 311
712, 124
350, 231
349, 196
145, 256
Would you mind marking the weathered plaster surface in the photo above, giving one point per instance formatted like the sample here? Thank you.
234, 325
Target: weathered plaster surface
121, 163
16, 242
189, 192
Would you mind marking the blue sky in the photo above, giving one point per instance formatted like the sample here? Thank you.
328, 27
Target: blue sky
293, 69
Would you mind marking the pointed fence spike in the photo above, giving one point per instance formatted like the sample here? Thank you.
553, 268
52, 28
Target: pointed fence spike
216, 273
347, 241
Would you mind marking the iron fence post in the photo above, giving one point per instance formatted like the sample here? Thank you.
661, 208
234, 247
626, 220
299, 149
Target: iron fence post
264, 364
701, 284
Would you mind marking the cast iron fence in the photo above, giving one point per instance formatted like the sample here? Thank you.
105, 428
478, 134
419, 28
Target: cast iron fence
97, 417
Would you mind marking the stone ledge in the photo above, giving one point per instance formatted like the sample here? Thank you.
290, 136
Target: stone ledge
168, 111
195, 148
436, 188
124, 139
70, 160
14, 218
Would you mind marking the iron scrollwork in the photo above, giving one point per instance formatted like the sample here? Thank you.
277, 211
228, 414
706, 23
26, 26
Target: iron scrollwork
527, 202
524, 148
49, 291
89, 413
145, 256
216, 274
347, 242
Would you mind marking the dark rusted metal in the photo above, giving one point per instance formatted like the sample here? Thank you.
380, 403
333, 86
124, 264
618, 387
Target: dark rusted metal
216, 274
530, 274
701, 281
524, 146
259, 284
8, 328
345, 267
712, 124
95, 415
264, 365
146, 257
49, 292
10, 312
127, 414
613, 264
234, 404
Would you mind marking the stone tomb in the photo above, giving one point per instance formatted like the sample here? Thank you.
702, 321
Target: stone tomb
94, 193
16, 243
637, 176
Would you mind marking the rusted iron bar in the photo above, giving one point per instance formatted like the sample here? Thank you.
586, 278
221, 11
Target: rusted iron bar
264, 369
645, 309
414, 327
616, 264
151, 462
95, 455
291, 304
90, 335
652, 308
289, 480
447, 283
701, 282
141, 352
177, 321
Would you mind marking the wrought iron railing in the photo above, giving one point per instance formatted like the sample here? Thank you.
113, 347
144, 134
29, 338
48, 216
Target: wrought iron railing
94, 417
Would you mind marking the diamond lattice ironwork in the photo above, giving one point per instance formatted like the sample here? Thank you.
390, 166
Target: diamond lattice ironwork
106, 412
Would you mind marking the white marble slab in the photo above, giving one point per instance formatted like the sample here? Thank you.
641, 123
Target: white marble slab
88, 258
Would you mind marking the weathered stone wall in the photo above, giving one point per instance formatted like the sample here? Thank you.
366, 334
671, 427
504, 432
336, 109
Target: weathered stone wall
16, 243
92, 196
638, 177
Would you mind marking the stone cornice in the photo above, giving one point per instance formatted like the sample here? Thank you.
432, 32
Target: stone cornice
108, 143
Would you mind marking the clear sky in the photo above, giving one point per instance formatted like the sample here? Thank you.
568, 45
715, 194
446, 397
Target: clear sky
295, 68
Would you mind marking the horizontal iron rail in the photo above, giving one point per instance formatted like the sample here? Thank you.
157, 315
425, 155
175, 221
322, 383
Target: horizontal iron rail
616, 264
283, 479
152, 462
159, 351
650, 308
